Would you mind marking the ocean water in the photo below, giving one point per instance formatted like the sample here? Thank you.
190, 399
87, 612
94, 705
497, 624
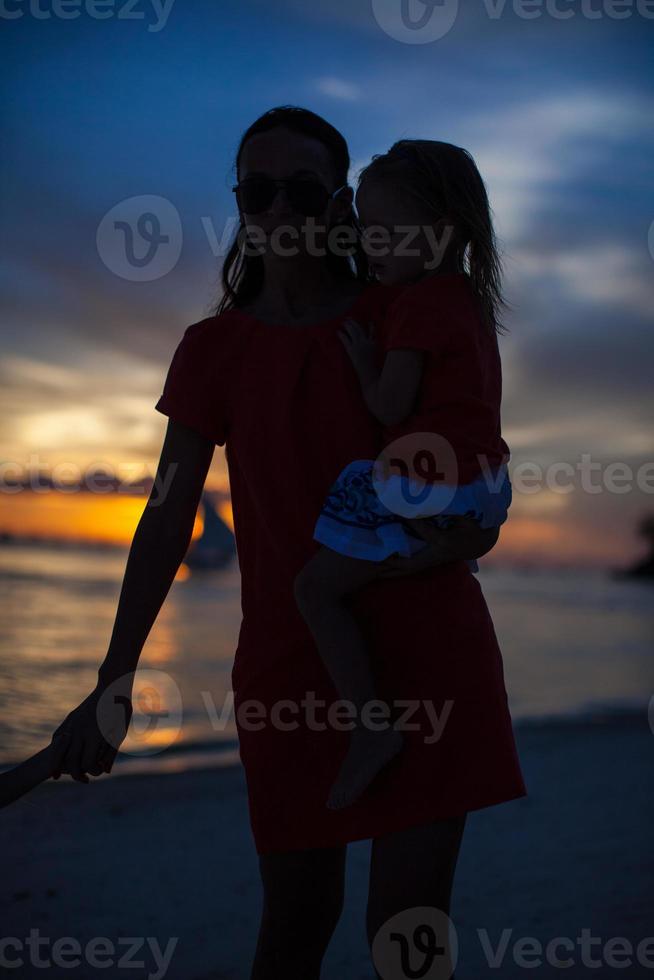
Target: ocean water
574, 642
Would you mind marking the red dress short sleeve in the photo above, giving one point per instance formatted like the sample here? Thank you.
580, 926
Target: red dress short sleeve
198, 386
421, 318
461, 386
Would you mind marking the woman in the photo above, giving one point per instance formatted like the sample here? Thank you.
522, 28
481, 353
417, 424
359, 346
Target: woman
268, 378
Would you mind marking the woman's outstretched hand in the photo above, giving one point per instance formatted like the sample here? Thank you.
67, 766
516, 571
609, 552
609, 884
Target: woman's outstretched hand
463, 540
96, 728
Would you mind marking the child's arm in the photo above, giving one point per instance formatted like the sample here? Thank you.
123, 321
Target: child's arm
390, 394
24, 777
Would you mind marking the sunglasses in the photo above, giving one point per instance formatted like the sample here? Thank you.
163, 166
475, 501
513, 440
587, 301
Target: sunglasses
306, 197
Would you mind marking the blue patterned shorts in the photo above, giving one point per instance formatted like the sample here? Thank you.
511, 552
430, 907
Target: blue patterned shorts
355, 522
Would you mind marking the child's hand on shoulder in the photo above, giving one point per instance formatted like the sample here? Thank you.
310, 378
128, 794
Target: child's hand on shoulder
359, 342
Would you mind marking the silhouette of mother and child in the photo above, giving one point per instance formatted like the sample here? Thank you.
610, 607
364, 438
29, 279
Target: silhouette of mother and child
356, 388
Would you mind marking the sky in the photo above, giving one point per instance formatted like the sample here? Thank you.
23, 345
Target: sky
554, 101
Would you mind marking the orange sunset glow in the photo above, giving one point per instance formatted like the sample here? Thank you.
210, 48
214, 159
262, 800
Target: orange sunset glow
539, 529
83, 516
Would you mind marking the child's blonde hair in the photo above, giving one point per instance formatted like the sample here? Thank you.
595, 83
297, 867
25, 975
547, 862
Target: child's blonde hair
446, 180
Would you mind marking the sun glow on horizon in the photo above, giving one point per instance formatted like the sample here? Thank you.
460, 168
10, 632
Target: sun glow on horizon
76, 516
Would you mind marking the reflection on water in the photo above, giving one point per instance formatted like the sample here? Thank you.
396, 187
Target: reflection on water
57, 611
571, 642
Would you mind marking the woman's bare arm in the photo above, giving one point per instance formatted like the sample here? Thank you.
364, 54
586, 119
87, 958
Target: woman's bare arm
160, 542
463, 541
98, 725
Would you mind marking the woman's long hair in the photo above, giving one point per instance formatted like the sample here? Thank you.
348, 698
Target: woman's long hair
446, 180
242, 273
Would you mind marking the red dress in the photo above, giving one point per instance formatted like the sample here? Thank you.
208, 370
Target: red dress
286, 404
448, 455
461, 384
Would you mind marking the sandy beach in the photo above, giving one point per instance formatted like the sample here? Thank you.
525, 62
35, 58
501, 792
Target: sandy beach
164, 869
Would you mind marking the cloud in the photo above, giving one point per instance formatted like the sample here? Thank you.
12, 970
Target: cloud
537, 146
338, 88
54, 406
609, 275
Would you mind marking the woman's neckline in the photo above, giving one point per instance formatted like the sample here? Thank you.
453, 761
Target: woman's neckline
313, 324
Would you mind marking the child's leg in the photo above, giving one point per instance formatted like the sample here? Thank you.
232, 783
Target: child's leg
320, 591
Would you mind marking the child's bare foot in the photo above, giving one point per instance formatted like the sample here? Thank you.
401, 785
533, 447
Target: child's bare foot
369, 752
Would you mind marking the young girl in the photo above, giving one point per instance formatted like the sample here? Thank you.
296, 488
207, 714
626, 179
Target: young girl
431, 375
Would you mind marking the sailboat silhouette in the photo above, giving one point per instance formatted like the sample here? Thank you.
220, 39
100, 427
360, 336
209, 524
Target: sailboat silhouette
644, 568
216, 545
